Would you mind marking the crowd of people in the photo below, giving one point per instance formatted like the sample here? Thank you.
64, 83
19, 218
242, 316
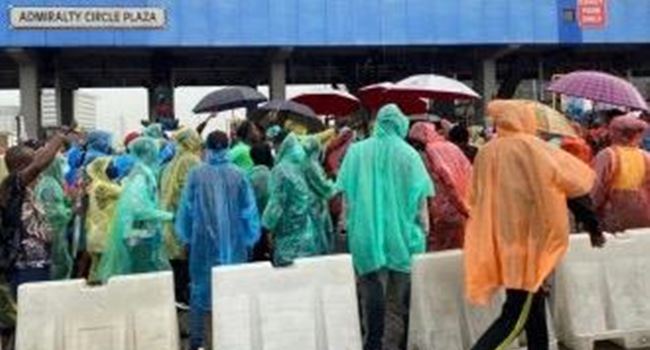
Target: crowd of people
74, 207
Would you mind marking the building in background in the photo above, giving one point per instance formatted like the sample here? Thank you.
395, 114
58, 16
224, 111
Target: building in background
85, 109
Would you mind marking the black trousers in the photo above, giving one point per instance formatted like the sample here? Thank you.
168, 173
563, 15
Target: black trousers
521, 311
181, 280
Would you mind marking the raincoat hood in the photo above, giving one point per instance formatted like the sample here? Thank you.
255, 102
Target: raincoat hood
391, 122
188, 140
154, 131
145, 149
213, 157
424, 133
627, 130
100, 141
312, 148
291, 150
512, 118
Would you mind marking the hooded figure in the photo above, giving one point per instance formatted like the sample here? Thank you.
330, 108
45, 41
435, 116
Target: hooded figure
98, 144
451, 171
103, 194
287, 215
218, 221
385, 188
135, 242
622, 191
322, 190
174, 178
50, 195
519, 227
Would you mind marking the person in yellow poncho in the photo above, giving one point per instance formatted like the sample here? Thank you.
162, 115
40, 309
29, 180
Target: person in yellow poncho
519, 228
174, 178
102, 198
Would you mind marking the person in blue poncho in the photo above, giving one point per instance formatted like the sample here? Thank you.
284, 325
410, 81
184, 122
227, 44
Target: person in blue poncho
218, 221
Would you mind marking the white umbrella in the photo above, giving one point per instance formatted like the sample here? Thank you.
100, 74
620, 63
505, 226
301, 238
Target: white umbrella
436, 87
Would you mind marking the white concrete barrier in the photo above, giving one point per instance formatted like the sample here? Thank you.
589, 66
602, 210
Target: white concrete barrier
135, 312
311, 305
441, 318
604, 294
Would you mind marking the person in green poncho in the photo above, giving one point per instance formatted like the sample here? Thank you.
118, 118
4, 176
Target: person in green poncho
385, 188
260, 176
322, 190
287, 215
50, 195
247, 134
135, 243
174, 177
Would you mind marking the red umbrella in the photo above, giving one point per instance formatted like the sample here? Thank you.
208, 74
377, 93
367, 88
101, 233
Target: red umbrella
375, 96
329, 102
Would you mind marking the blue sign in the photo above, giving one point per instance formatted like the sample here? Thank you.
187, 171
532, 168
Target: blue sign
230, 23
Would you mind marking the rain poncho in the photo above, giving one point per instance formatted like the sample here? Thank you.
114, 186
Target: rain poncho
135, 241
98, 144
218, 220
102, 199
622, 192
336, 150
49, 194
451, 171
173, 179
287, 214
166, 149
240, 154
260, 176
519, 224
322, 190
384, 184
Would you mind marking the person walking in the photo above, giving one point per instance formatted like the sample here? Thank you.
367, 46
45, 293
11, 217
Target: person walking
217, 220
519, 227
385, 187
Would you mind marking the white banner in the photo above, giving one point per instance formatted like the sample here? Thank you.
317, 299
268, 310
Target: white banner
87, 17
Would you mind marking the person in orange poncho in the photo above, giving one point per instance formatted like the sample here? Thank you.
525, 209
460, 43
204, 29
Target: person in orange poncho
519, 228
450, 170
622, 191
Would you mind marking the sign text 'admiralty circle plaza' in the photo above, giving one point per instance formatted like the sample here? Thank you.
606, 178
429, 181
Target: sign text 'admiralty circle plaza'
87, 17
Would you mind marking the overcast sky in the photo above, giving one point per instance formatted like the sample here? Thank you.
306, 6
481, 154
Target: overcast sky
128, 106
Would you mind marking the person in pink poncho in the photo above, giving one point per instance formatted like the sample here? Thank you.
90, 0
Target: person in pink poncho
451, 171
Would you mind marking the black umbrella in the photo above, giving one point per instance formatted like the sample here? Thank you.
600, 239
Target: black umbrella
229, 98
279, 111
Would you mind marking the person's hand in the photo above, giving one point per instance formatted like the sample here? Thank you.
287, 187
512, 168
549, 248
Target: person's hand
598, 240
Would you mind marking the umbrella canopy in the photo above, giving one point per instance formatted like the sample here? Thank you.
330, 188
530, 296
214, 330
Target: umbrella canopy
549, 120
278, 111
229, 98
329, 102
375, 96
431, 86
600, 87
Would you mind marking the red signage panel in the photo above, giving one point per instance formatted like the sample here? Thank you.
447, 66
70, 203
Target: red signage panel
592, 13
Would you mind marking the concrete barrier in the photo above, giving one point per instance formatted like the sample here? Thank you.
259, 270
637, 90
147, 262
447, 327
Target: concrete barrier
134, 312
311, 305
440, 316
604, 294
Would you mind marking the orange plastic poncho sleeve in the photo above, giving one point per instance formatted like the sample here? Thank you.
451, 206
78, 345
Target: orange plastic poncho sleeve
518, 227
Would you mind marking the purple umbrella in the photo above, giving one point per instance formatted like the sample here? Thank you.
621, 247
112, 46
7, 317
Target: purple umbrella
600, 87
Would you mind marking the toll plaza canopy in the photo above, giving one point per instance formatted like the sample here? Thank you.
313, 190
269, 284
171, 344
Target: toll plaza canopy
162, 44
264, 23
